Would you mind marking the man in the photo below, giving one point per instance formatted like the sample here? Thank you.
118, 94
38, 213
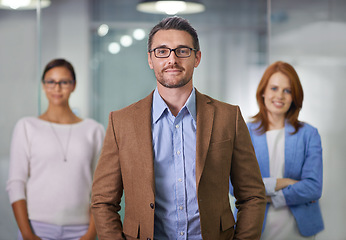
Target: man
173, 154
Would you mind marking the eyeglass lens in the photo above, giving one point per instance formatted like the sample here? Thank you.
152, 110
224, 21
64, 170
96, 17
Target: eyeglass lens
182, 52
62, 84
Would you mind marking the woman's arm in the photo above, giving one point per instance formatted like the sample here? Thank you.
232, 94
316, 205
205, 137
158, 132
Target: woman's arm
18, 175
284, 182
21, 214
91, 233
307, 168
280, 183
99, 138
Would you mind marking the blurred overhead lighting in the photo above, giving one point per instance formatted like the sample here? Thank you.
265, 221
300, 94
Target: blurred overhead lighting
126, 41
102, 30
114, 48
170, 7
23, 4
139, 34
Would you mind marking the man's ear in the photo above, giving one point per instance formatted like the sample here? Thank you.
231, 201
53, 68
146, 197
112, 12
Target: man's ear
198, 58
150, 62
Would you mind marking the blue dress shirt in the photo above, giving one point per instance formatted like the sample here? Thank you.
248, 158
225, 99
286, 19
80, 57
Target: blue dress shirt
174, 145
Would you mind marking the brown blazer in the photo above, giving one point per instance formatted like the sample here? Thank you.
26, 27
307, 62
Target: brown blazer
223, 150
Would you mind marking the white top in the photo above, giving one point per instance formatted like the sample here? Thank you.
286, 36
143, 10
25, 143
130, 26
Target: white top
280, 222
56, 191
276, 150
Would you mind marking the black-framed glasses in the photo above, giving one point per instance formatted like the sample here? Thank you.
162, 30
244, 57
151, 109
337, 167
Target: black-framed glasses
180, 52
50, 84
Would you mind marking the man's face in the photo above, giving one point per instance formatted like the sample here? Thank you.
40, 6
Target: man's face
173, 72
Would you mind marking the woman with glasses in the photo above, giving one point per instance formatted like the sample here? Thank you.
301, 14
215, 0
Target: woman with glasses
52, 162
289, 154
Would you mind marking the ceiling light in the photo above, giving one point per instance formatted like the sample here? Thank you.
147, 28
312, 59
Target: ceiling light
139, 34
102, 30
126, 40
170, 7
23, 4
114, 48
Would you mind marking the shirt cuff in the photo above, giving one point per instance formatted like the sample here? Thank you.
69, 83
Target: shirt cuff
270, 184
279, 199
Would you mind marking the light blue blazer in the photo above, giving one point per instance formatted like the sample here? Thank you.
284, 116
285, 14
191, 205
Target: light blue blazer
303, 162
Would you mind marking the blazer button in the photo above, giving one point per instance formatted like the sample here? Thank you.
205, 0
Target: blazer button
152, 207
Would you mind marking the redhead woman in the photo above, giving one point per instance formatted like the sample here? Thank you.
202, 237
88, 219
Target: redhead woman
52, 161
289, 154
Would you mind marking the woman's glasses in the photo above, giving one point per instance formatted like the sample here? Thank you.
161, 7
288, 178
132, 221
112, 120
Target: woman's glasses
64, 84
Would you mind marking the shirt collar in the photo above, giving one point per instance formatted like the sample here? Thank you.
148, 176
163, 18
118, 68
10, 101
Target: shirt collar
159, 105
191, 104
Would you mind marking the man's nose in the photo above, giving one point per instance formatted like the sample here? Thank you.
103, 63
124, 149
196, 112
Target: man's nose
172, 57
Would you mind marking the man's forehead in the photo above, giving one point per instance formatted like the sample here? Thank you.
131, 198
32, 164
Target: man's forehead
180, 37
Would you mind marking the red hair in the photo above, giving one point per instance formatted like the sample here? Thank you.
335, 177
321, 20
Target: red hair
296, 91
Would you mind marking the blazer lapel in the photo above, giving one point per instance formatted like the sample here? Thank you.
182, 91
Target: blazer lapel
205, 118
259, 142
142, 122
290, 149
262, 154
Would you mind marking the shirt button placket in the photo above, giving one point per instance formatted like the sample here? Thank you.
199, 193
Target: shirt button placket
182, 223
177, 142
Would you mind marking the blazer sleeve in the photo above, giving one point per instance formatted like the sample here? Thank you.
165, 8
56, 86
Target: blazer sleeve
248, 185
107, 188
309, 187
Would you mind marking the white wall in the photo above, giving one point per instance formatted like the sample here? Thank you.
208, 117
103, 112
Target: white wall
316, 50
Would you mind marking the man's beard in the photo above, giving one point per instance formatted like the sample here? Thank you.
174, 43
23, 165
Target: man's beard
179, 84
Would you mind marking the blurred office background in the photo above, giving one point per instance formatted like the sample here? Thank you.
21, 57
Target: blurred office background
238, 40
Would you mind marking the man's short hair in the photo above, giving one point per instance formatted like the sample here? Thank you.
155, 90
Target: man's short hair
175, 23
